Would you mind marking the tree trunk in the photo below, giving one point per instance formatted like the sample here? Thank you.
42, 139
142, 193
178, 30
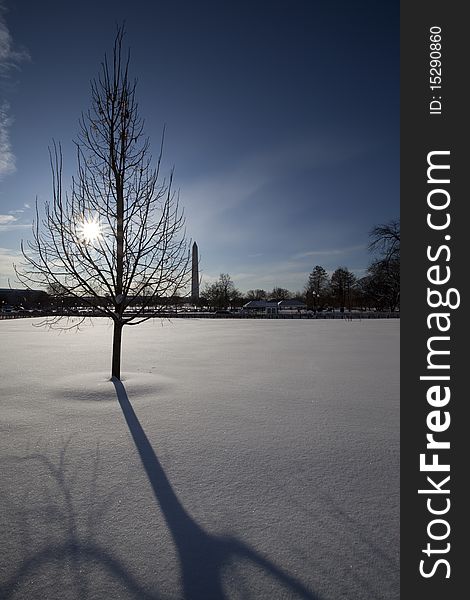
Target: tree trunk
116, 362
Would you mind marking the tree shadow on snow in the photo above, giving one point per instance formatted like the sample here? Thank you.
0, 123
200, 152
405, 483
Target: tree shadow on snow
64, 550
202, 555
56, 543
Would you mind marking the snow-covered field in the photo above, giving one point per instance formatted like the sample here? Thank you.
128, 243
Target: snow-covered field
240, 459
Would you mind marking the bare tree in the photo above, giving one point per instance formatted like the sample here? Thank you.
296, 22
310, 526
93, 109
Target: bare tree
222, 293
118, 233
385, 239
257, 294
279, 293
383, 274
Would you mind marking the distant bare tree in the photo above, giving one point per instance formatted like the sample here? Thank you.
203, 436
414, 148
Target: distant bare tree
383, 274
385, 239
118, 233
222, 293
381, 285
279, 293
257, 294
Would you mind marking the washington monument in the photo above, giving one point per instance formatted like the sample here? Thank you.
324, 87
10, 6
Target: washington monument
195, 275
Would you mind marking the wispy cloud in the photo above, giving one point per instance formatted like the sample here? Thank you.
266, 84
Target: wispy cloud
10, 59
7, 274
7, 158
7, 219
329, 252
19, 211
10, 223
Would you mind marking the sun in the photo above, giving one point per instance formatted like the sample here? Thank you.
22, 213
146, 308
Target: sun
90, 231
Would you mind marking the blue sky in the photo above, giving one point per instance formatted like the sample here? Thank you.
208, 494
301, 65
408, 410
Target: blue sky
282, 121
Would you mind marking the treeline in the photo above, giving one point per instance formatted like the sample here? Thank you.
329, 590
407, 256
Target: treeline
379, 289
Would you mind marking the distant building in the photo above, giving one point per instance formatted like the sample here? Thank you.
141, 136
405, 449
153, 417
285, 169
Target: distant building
273, 307
263, 307
292, 304
195, 274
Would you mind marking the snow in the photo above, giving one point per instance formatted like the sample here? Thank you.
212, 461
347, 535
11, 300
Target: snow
238, 459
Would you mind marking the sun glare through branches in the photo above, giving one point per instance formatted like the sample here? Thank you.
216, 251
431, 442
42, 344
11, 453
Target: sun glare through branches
90, 230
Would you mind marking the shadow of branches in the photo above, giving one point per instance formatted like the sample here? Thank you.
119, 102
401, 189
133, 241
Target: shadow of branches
202, 555
59, 554
74, 557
